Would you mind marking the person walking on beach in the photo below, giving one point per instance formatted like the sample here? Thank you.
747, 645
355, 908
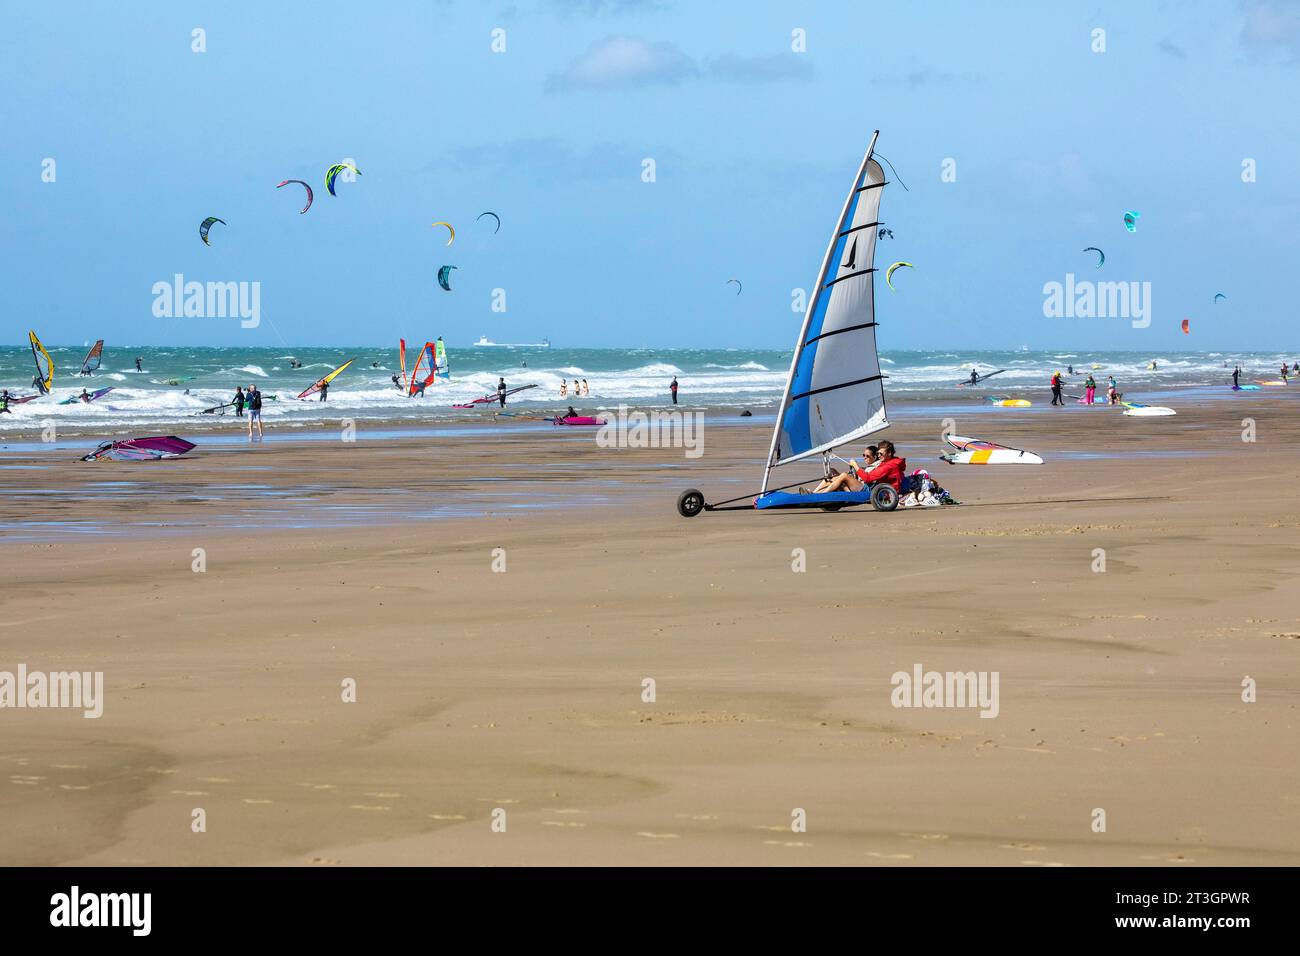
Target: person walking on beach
1284, 371
238, 401
673, 388
501, 391
1089, 390
254, 411
1236, 375
1056, 389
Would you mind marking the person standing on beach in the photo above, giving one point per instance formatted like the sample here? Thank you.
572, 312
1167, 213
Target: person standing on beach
1236, 375
1089, 390
1056, 389
501, 391
254, 411
1112, 391
238, 401
673, 388
1284, 371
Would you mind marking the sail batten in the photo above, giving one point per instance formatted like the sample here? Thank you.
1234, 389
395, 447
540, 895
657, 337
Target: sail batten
834, 392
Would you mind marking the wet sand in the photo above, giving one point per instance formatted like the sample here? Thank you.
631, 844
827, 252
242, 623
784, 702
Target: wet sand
518, 695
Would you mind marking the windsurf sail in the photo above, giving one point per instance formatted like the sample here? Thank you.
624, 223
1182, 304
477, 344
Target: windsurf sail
401, 360
834, 393
94, 355
493, 397
44, 366
316, 387
980, 376
141, 449
89, 396
440, 364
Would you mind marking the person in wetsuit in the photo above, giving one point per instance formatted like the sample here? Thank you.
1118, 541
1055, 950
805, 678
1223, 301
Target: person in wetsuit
501, 391
238, 401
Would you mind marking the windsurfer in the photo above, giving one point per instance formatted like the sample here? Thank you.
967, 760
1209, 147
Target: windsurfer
324, 391
138, 366
254, 411
84, 396
501, 391
397, 383
974, 377
40, 384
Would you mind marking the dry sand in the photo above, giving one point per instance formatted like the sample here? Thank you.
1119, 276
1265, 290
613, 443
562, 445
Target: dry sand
521, 691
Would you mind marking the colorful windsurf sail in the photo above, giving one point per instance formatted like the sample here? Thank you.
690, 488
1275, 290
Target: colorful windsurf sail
441, 366
834, 392
87, 397
325, 380
401, 360
95, 355
44, 366
141, 449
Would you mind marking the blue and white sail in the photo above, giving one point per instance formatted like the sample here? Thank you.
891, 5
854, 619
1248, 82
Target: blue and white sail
834, 393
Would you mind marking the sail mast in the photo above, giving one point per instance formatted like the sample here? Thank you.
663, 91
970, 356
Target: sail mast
812, 306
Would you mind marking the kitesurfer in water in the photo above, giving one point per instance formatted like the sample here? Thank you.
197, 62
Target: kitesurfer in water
501, 391
238, 401
254, 411
672, 387
138, 368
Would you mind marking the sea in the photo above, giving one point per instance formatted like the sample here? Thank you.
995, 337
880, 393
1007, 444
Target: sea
178, 384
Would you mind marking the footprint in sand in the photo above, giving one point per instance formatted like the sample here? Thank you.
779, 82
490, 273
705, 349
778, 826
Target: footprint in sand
25, 779
68, 786
215, 780
891, 856
785, 843
362, 806
778, 829
563, 823
926, 836
1024, 847
190, 793
1044, 863
659, 836
446, 816
319, 786
698, 816
258, 802
68, 766
323, 861
565, 810
385, 796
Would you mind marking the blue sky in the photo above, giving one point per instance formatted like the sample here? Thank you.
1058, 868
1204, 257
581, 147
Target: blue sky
754, 147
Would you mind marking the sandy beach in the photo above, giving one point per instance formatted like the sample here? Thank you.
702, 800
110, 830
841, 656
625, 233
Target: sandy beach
516, 696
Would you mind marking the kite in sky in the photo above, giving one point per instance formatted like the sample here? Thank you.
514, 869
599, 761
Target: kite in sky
310, 197
205, 225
